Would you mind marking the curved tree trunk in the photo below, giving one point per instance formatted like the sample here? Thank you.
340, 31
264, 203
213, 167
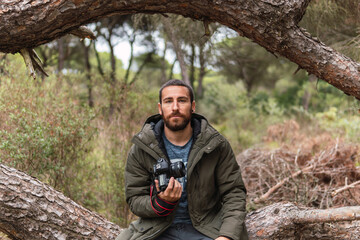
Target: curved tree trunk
32, 210
29, 209
272, 24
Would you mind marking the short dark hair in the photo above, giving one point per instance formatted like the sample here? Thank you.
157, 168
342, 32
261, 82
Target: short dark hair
177, 82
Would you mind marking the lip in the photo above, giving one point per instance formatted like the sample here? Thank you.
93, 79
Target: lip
175, 117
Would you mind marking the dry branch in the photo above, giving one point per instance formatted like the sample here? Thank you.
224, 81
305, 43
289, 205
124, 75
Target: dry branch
265, 196
327, 215
274, 176
346, 187
273, 24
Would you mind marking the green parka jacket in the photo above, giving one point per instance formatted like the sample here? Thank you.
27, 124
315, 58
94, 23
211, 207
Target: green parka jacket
216, 192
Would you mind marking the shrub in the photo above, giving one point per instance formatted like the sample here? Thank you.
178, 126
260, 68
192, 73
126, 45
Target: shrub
42, 133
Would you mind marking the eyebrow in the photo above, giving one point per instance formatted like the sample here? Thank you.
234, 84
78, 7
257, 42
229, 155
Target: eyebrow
180, 97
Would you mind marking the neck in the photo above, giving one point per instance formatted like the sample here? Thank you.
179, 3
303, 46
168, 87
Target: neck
179, 138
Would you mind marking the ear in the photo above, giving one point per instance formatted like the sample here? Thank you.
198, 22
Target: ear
193, 107
159, 108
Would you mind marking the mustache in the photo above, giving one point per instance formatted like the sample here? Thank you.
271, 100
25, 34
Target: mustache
176, 114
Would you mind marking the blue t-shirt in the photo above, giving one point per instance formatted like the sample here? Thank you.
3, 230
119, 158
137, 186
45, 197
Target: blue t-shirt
180, 153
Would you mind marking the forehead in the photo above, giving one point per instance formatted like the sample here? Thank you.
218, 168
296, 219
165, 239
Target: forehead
175, 92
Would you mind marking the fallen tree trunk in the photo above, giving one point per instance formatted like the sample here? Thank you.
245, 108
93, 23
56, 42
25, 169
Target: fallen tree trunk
290, 222
32, 210
29, 209
273, 24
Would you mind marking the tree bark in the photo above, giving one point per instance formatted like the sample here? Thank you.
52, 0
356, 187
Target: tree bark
272, 24
163, 64
89, 83
99, 66
192, 65
290, 222
127, 74
177, 48
147, 59
202, 72
61, 58
31, 209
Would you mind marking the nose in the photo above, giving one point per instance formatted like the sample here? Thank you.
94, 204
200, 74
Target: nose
175, 106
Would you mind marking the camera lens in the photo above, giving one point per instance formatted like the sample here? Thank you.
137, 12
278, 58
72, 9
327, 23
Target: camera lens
177, 169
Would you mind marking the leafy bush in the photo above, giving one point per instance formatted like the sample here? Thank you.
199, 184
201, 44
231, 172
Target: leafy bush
340, 123
42, 133
242, 119
131, 106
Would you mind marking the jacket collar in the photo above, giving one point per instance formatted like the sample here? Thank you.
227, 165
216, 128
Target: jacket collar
157, 125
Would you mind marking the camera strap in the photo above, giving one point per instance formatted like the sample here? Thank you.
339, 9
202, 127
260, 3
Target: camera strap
167, 208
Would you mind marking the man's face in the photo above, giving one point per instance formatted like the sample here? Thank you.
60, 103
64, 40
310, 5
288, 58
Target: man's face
176, 107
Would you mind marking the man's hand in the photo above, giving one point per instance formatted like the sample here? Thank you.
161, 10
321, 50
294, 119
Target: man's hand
173, 191
223, 238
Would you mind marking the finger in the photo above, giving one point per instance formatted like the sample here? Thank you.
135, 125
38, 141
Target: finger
169, 191
157, 185
171, 184
178, 188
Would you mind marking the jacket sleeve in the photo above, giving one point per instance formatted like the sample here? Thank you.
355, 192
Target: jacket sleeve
233, 195
138, 182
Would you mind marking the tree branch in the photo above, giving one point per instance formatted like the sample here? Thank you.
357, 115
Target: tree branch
272, 24
346, 187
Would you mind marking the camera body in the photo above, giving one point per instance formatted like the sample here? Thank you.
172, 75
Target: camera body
163, 171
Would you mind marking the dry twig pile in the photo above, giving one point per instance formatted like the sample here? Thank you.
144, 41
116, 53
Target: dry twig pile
315, 171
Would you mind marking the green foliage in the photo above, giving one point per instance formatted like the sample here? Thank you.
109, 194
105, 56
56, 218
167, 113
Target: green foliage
133, 105
42, 132
312, 94
242, 60
242, 119
340, 123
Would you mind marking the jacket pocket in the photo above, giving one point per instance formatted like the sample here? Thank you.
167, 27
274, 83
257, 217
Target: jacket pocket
125, 234
216, 222
135, 230
141, 226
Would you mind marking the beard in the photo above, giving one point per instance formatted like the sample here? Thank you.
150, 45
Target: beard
178, 124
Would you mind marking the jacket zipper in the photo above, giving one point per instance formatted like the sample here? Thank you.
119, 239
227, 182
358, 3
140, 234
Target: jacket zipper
205, 145
193, 166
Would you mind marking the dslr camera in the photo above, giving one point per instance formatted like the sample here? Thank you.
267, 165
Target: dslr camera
163, 171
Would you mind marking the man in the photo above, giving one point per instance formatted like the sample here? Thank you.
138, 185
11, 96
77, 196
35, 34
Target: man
209, 202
